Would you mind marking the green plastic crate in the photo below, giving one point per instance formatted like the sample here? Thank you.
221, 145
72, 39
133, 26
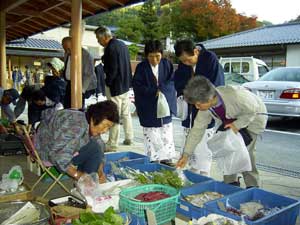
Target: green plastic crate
164, 210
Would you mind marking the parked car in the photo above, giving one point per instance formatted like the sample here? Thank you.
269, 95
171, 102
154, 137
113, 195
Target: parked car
238, 70
280, 91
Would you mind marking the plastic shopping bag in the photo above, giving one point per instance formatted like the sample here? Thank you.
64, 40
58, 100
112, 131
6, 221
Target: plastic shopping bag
230, 152
163, 109
182, 108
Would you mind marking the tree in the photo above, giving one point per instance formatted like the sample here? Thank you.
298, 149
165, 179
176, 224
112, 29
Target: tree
133, 51
149, 17
130, 28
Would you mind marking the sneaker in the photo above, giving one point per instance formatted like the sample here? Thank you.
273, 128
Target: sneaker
127, 142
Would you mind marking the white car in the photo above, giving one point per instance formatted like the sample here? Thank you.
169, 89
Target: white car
280, 91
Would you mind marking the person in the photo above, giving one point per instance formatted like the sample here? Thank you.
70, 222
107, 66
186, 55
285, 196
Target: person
196, 60
100, 79
232, 106
28, 76
71, 139
37, 76
89, 80
117, 69
6, 97
40, 98
17, 78
153, 75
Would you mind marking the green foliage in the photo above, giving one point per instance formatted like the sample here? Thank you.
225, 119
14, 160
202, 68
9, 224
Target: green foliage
133, 51
108, 218
130, 29
165, 177
150, 20
198, 20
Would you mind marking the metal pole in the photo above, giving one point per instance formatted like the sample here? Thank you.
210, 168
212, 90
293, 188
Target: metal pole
3, 74
76, 76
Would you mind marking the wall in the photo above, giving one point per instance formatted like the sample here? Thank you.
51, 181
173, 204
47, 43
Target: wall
293, 55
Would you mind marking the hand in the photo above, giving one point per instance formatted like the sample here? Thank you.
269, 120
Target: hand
102, 178
233, 127
182, 161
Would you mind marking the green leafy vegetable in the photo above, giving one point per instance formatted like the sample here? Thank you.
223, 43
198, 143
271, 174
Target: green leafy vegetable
108, 218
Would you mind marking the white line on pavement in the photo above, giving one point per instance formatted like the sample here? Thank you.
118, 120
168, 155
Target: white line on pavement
282, 132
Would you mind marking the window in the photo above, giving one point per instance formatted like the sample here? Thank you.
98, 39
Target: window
235, 67
245, 67
283, 74
262, 70
226, 68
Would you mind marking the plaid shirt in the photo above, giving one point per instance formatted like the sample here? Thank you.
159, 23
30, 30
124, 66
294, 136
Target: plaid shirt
61, 134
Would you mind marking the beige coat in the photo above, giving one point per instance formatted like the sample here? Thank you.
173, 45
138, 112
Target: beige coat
240, 104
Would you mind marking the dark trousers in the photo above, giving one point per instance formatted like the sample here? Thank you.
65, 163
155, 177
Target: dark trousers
67, 99
89, 158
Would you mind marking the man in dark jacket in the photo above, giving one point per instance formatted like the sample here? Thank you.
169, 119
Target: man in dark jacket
117, 68
196, 61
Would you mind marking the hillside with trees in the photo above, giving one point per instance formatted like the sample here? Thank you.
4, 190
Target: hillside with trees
196, 19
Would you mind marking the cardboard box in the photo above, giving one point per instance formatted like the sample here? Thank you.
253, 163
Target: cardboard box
19, 196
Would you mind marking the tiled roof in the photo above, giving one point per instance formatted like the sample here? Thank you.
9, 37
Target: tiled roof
269, 35
33, 43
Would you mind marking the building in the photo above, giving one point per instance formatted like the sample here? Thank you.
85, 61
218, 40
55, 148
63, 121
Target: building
277, 45
37, 50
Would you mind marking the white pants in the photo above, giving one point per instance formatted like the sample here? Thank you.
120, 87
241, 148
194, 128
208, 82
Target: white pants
159, 142
201, 159
122, 102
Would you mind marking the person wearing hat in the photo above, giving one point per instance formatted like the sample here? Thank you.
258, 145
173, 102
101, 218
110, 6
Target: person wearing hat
6, 97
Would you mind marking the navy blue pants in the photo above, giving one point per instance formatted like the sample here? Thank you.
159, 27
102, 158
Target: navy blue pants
89, 158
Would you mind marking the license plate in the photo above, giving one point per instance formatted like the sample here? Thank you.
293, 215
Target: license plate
266, 94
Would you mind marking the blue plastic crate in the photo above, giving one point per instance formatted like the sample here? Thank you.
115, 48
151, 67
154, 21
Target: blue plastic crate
286, 216
131, 156
150, 167
185, 208
133, 159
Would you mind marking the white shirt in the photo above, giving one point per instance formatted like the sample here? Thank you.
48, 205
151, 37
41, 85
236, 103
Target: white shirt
155, 71
68, 69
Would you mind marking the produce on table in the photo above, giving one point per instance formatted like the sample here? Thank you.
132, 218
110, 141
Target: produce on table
152, 196
252, 210
200, 199
214, 219
164, 177
108, 218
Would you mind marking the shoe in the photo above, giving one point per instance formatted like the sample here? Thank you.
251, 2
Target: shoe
252, 187
167, 163
127, 142
238, 184
110, 149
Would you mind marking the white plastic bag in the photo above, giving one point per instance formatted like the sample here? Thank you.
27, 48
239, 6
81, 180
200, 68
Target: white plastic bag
182, 108
163, 109
201, 159
230, 152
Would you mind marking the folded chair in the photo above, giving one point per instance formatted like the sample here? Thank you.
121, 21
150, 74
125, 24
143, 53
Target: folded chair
44, 165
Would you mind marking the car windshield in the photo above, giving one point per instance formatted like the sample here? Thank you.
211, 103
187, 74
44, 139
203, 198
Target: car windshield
282, 74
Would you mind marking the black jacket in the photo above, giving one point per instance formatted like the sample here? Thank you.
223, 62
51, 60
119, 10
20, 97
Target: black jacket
117, 67
207, 66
